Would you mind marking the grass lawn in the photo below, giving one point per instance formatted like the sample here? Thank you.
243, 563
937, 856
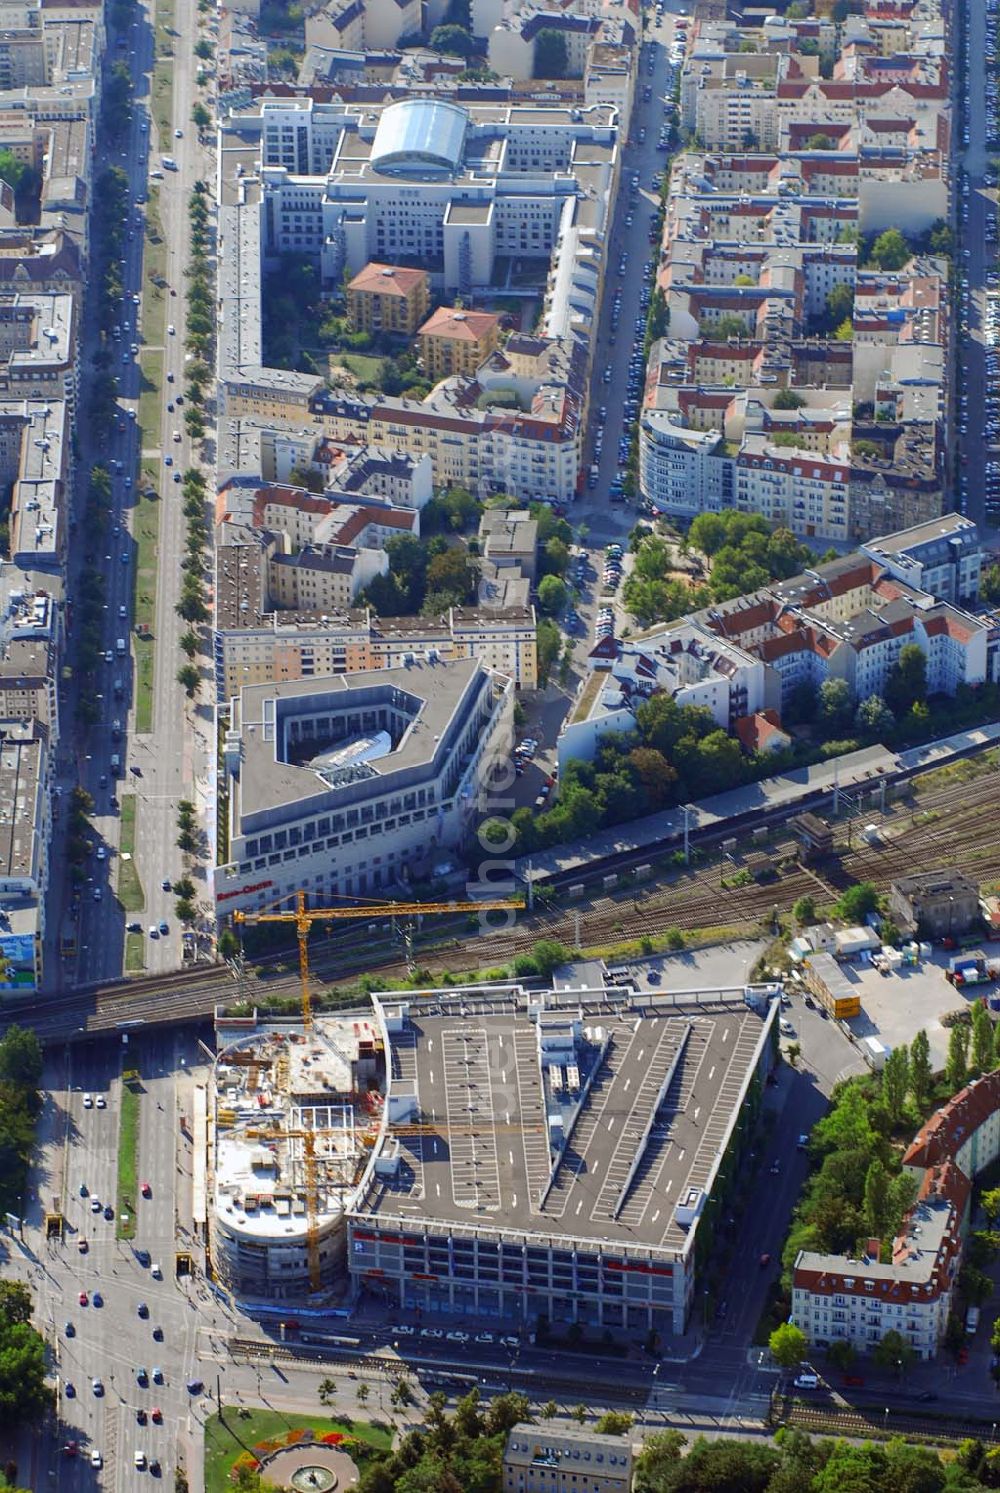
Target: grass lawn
362, 365
154, 262
162, 100
146, 533
130, 893
128, 1160
135, 953
150, 384
226, 1440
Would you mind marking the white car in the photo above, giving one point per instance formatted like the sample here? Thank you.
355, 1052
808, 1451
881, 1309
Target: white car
101, 1102
88, 1101
171, 330
140, 1461
457, 1337
95, 1457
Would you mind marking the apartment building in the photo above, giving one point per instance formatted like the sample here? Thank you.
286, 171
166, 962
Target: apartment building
453, 340
859, 1300
688, 661
574, 1460
387, 298
349, 786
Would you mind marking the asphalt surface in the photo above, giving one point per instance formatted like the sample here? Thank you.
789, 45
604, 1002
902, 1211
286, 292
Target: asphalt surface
79, 1149
173, 760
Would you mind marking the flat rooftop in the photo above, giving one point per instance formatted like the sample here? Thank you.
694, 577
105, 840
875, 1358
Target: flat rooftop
644, 1088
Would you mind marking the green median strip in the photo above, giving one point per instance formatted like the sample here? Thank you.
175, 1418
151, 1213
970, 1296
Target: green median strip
150, 388
128, 1157
146, 535
130, 893
135, 953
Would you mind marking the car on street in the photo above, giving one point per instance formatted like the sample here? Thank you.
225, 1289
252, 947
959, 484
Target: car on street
142, 1310
146, 1190
95, 1457
97, 1386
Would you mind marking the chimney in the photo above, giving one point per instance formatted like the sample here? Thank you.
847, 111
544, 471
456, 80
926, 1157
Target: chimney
873, 1248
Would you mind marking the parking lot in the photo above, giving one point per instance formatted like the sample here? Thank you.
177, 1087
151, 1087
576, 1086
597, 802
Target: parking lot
895, 1006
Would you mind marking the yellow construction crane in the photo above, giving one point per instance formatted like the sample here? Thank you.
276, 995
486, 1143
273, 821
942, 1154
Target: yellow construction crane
303, 917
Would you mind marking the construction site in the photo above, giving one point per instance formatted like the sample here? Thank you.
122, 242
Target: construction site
294, 1115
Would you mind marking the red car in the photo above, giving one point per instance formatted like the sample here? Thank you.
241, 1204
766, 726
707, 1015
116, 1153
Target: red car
83, 1298
853, 1379
147, 1191
157, 1415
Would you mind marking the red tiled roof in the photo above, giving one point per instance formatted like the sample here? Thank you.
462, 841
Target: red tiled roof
947, 1130
387, 279
458, 325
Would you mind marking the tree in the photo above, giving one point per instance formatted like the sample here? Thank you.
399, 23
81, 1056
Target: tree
921, 1074
453, 573
786, 399
834, 702
551, 55
203, 49
890, 251
893, 1352
841, 1354
189, 675
327, 1390
549, 645
845, 333
707, 533
975, 1285
614, 1423
23, 1393
726, 326
876, 1203
840, 303
990, 1203
854, 904
906, 682
453, 41
989, 584
190, 642
896, 1081
13, 171
818, 141
200, 117
804, 911
982, 1039
873, 717
788, 1345
15, 1302
957, 1067
362, 1393
551, 594
21, 1053
658, 1461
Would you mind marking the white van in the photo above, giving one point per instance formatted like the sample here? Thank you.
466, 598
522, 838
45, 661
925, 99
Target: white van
807, 1380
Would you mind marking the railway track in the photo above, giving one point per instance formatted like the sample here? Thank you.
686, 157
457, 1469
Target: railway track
391, 1368
932, 826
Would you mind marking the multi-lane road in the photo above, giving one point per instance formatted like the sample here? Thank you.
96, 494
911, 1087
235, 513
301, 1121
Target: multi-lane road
77, 1170
172, 760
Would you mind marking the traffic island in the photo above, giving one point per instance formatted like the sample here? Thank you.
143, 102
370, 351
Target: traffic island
128, 1154
282, 1446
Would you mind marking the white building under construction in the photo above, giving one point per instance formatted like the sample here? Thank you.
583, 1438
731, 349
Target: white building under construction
292, 1111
